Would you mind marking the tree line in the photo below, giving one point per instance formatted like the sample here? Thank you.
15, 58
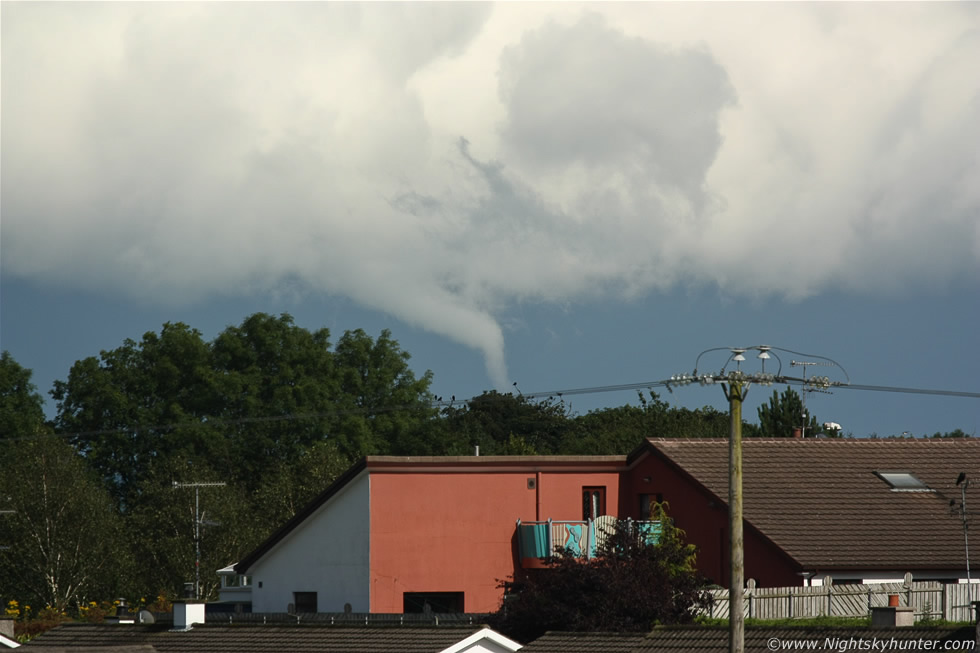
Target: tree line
273, 410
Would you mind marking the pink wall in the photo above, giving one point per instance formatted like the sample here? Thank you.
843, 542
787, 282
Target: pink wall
454, 531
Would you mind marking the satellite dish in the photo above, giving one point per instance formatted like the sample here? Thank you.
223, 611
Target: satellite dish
146, 617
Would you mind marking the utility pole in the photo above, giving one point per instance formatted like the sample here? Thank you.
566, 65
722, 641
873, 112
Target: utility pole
735, 393
735, 384
197, 527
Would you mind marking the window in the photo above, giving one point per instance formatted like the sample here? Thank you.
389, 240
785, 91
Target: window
903, 482
593, 502
647, 502
305, 602
439, 602
235, 580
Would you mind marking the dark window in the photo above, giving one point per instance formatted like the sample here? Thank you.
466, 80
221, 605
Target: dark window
441, 602
593, 502
305, 602
646, 503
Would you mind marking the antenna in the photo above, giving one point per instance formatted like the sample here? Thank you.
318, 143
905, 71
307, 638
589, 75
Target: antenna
807, 388
198, 522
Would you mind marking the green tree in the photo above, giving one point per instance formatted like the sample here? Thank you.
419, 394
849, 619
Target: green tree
782, 414
161, 528
141, 403
620, 430
66, 539
956, 433
629, 586
21, 407
384, 407
277, 393
255, 398
292, 485
502, 423
267, 406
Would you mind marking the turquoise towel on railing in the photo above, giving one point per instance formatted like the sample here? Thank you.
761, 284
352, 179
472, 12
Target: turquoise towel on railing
534, 541
651, 530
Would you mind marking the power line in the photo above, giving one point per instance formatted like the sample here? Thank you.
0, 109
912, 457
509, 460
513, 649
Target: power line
441, 403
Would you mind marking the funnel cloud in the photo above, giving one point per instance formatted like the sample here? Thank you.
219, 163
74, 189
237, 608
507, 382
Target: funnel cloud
442, 162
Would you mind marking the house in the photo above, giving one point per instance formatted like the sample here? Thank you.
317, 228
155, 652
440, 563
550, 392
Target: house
413, 534
856, 510
235, 588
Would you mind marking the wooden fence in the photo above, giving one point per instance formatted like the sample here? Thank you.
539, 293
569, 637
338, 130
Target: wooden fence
931, 600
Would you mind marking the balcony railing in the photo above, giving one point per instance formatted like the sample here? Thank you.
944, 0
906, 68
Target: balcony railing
539, 540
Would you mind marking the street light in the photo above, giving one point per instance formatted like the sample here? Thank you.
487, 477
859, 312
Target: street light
963, 482
735, 383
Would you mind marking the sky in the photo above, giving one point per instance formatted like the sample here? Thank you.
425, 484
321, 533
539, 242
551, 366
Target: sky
553, 195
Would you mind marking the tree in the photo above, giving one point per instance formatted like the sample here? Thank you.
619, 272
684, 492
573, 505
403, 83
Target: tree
21, 407
629, 586
385, 408
292, 485
139, 404
268, 407
161, 528
619, 430
256, 397
65, 537
502, 423
782, 414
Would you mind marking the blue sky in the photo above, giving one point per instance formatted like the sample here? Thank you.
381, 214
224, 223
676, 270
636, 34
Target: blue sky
560, 195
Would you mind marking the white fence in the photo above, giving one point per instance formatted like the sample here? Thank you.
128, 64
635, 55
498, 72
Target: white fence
931, 600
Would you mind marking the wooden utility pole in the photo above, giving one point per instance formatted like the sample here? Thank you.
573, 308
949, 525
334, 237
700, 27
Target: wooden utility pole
736, 385
735, 393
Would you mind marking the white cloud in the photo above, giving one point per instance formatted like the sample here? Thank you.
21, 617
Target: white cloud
441, 161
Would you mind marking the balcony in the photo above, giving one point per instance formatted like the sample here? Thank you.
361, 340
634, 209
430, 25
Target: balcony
540, 540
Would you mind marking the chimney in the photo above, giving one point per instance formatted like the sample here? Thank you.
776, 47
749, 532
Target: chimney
122, 615
894, 615
188, 612
797, 432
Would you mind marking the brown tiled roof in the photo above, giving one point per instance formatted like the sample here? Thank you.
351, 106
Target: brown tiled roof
558, 642
208, 638
769, 638
820, 501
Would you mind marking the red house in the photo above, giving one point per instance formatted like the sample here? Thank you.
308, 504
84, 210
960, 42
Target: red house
395, 534
403, 534
857, 510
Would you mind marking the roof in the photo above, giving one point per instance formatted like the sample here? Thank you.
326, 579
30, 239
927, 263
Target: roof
559, 642
820, 501
254, 638
426, 464
757, 638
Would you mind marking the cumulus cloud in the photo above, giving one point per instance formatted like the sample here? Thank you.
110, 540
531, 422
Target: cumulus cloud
442, 161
